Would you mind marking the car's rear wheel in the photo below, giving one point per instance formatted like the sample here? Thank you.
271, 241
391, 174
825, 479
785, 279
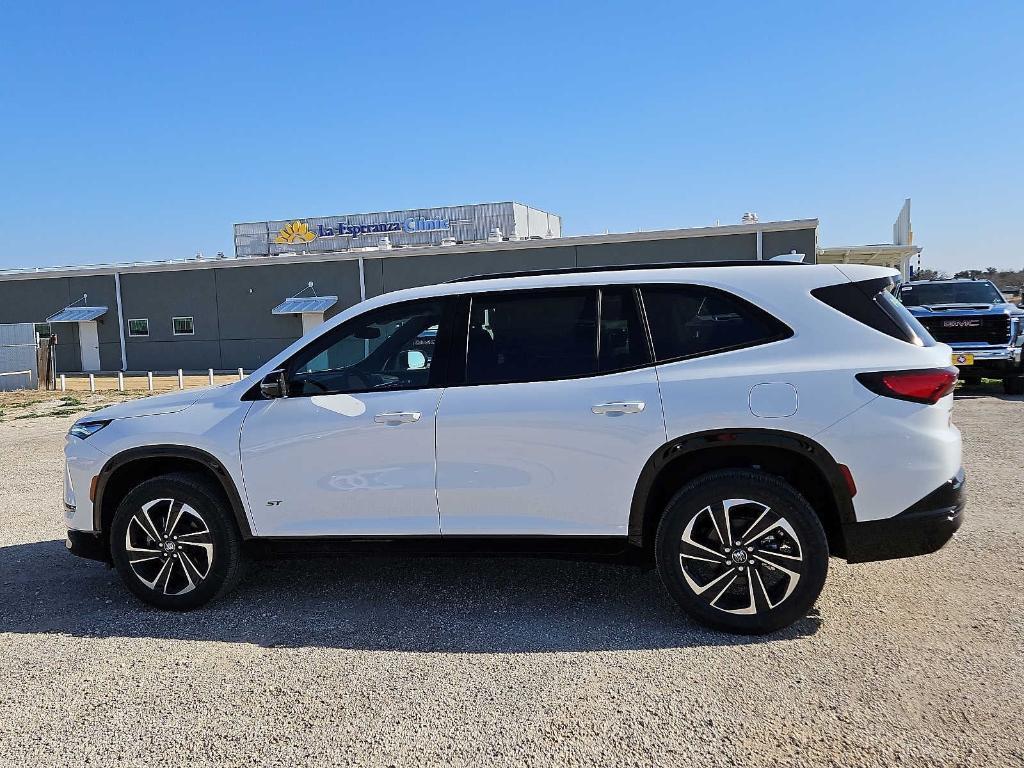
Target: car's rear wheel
742, 551
174, 542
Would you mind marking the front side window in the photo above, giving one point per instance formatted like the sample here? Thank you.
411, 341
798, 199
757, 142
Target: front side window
692, 320
385, 349
183, 326
532, 336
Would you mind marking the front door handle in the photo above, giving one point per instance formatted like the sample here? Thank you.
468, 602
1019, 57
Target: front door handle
613, 409
397, 417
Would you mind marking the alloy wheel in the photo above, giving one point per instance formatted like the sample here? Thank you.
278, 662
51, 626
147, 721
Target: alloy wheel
741, 557
169, 546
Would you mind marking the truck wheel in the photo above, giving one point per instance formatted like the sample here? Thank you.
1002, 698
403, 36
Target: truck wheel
175, 543
1013, 385
742, 551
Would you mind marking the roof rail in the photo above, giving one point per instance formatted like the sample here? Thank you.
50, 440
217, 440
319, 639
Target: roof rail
625, 267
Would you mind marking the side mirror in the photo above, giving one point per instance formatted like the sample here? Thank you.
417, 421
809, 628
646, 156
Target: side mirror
274, 385
414, 360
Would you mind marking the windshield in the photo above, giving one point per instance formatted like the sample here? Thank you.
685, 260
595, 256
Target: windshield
979, 292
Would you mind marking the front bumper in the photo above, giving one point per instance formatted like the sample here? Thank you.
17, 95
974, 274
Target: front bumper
922, 528
88, 545
1000, 360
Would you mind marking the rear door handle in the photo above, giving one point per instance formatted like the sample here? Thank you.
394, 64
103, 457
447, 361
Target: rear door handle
397, 417
611, 409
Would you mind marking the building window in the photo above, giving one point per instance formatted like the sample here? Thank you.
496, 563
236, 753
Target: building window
183, 326
138, 327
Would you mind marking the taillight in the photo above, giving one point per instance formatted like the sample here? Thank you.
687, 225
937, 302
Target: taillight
927, 385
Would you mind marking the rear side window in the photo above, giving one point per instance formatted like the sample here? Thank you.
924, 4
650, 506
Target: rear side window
689, 320
871, 302
532, 336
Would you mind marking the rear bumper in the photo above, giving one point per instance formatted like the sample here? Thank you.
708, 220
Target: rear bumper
922, 528
88, 545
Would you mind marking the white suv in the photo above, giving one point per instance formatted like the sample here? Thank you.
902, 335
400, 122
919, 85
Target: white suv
734, 425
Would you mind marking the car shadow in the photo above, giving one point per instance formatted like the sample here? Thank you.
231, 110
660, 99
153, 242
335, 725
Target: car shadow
406, 604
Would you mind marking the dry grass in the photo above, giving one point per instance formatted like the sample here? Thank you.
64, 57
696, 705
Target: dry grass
34, 404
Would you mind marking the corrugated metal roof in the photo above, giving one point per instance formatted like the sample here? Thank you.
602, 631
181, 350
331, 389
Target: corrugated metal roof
296, 306
77, 314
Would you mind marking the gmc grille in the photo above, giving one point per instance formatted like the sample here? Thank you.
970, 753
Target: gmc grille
988, 330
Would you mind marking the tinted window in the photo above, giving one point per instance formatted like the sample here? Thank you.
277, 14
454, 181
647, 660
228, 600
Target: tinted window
691, 320
390, 348
871, 302
623, 342
531, 336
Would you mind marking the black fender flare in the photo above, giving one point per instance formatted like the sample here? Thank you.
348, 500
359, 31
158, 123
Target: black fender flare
734, 438
197, 455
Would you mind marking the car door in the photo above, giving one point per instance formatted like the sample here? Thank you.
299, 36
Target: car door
349, 451
550, 416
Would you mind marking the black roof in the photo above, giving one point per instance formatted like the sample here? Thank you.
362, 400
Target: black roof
624, 267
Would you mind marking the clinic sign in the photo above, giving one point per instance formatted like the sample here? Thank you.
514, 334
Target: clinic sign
403, 228
301, 233
413, 225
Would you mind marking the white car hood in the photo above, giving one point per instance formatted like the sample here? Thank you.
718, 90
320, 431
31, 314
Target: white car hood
152, 406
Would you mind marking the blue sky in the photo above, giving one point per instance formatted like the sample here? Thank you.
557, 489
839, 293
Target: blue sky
142, 130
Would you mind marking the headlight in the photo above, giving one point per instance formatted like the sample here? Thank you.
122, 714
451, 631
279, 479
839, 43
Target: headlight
83, 429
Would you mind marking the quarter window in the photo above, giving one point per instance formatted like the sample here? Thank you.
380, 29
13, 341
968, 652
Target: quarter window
183, 326
391, 348
687, 321
531, 336
138, 327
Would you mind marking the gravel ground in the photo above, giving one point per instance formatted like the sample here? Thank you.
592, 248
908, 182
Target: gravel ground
516, 662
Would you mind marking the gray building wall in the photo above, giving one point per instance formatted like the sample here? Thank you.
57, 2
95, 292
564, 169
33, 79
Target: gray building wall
231, 305
31, 301
803, 241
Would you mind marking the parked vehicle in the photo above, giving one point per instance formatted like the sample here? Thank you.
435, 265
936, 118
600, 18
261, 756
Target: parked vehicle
732, 425
984, 329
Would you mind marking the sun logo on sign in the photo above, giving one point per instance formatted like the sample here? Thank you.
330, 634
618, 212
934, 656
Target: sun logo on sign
296, 232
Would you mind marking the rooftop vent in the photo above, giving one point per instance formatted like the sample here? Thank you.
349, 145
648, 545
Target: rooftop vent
749, 218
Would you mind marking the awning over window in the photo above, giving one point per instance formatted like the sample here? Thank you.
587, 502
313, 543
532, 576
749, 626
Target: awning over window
76, 314
300, 305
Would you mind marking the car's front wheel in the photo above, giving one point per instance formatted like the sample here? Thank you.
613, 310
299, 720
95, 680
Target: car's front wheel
174, 542
1013, 385
742, 551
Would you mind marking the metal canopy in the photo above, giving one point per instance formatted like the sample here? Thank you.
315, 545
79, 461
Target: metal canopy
77, 314
300, 305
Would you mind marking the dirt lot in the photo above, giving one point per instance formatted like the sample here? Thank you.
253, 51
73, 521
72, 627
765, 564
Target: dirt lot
520, 662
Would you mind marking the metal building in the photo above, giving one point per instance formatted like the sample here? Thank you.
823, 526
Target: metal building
237, 312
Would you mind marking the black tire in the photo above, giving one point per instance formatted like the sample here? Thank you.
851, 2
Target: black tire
756, 574
206, 563
971, 381
1013, 385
